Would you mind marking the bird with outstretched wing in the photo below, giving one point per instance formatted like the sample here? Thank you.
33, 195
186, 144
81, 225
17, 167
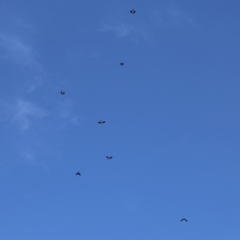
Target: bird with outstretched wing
101, 122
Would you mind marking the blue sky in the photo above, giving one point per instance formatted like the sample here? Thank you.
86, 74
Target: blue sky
172, 120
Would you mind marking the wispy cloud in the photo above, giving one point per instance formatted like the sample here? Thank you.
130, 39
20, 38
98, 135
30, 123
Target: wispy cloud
180, 18
159, 17
22, 24
120, 29
21, 112
32, 84
26, 112
172, 15
64, 111
17, 51
30, 157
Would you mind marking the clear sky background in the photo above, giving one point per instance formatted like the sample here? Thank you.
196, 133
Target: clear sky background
172, 120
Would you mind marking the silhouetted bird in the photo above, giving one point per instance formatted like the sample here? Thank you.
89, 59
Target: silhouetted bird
109, 157
78, 173
121, 63
101, 122
132, 11
184, 219
62, 92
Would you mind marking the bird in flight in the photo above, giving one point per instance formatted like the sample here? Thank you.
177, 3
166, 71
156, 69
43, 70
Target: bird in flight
132, 11
184, 219
78, 173
62, 92
109, 157
101, 122
121, 63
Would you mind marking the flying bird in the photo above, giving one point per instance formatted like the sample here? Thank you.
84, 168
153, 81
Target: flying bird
78, 173
132, 11
121, 63
62, 92
184, 219
101, 122
109, 157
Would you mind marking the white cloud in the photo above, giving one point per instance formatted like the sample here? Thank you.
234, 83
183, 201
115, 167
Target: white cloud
28, 156
180, 18
121, 30
171, 14
26, 112
21, 23
32, 84
135, 32
65, 111
159, 17
16, 50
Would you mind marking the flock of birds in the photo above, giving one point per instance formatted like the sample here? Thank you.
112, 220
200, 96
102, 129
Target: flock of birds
102, 122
